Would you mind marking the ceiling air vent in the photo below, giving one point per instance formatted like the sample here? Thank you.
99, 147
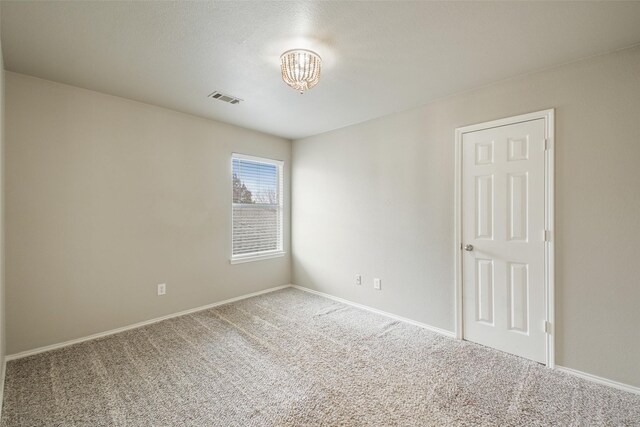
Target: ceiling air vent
224, 97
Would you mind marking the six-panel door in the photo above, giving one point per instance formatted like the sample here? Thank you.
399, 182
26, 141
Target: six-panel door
503, 219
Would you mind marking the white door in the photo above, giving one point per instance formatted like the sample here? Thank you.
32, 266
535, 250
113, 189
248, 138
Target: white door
503, 194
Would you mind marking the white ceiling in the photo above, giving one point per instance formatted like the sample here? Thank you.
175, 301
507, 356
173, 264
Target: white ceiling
379, 57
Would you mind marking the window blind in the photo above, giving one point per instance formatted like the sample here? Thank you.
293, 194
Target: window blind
257, 206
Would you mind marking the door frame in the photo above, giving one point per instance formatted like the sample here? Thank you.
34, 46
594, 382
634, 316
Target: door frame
548, 116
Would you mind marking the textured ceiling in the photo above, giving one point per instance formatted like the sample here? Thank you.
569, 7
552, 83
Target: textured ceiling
380, 57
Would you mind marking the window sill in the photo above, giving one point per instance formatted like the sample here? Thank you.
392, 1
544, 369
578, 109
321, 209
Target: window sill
240, 260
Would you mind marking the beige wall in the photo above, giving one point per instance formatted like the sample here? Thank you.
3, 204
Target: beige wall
105, 199
377, 199
2, 293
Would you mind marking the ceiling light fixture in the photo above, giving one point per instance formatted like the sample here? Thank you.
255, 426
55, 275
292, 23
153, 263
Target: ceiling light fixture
301, 68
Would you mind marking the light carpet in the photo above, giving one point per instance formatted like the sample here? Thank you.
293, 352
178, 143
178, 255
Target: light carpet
289, 358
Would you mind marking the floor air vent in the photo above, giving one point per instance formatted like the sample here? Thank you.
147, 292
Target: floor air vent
224, 97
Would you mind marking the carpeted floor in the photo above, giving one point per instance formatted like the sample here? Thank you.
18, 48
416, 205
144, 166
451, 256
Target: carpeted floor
290, 358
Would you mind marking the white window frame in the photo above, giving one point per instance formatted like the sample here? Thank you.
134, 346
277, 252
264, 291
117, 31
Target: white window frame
275, 253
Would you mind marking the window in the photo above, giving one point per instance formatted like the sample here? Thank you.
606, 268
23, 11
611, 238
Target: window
257, 208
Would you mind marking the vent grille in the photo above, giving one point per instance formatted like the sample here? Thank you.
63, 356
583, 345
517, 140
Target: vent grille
224, 97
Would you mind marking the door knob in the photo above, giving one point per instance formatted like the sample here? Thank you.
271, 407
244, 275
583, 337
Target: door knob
468, 248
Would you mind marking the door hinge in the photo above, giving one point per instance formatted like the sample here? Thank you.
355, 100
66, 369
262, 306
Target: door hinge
547, 235
547, 327
547, 144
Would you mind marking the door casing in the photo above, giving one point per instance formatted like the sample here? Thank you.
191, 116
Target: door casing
548, 116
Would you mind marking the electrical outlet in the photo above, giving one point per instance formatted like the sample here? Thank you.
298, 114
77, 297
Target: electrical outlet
377, 284
162, 288
358, 279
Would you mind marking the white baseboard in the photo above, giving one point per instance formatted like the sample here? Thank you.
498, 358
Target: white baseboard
135, 325
600, 380
383, 313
